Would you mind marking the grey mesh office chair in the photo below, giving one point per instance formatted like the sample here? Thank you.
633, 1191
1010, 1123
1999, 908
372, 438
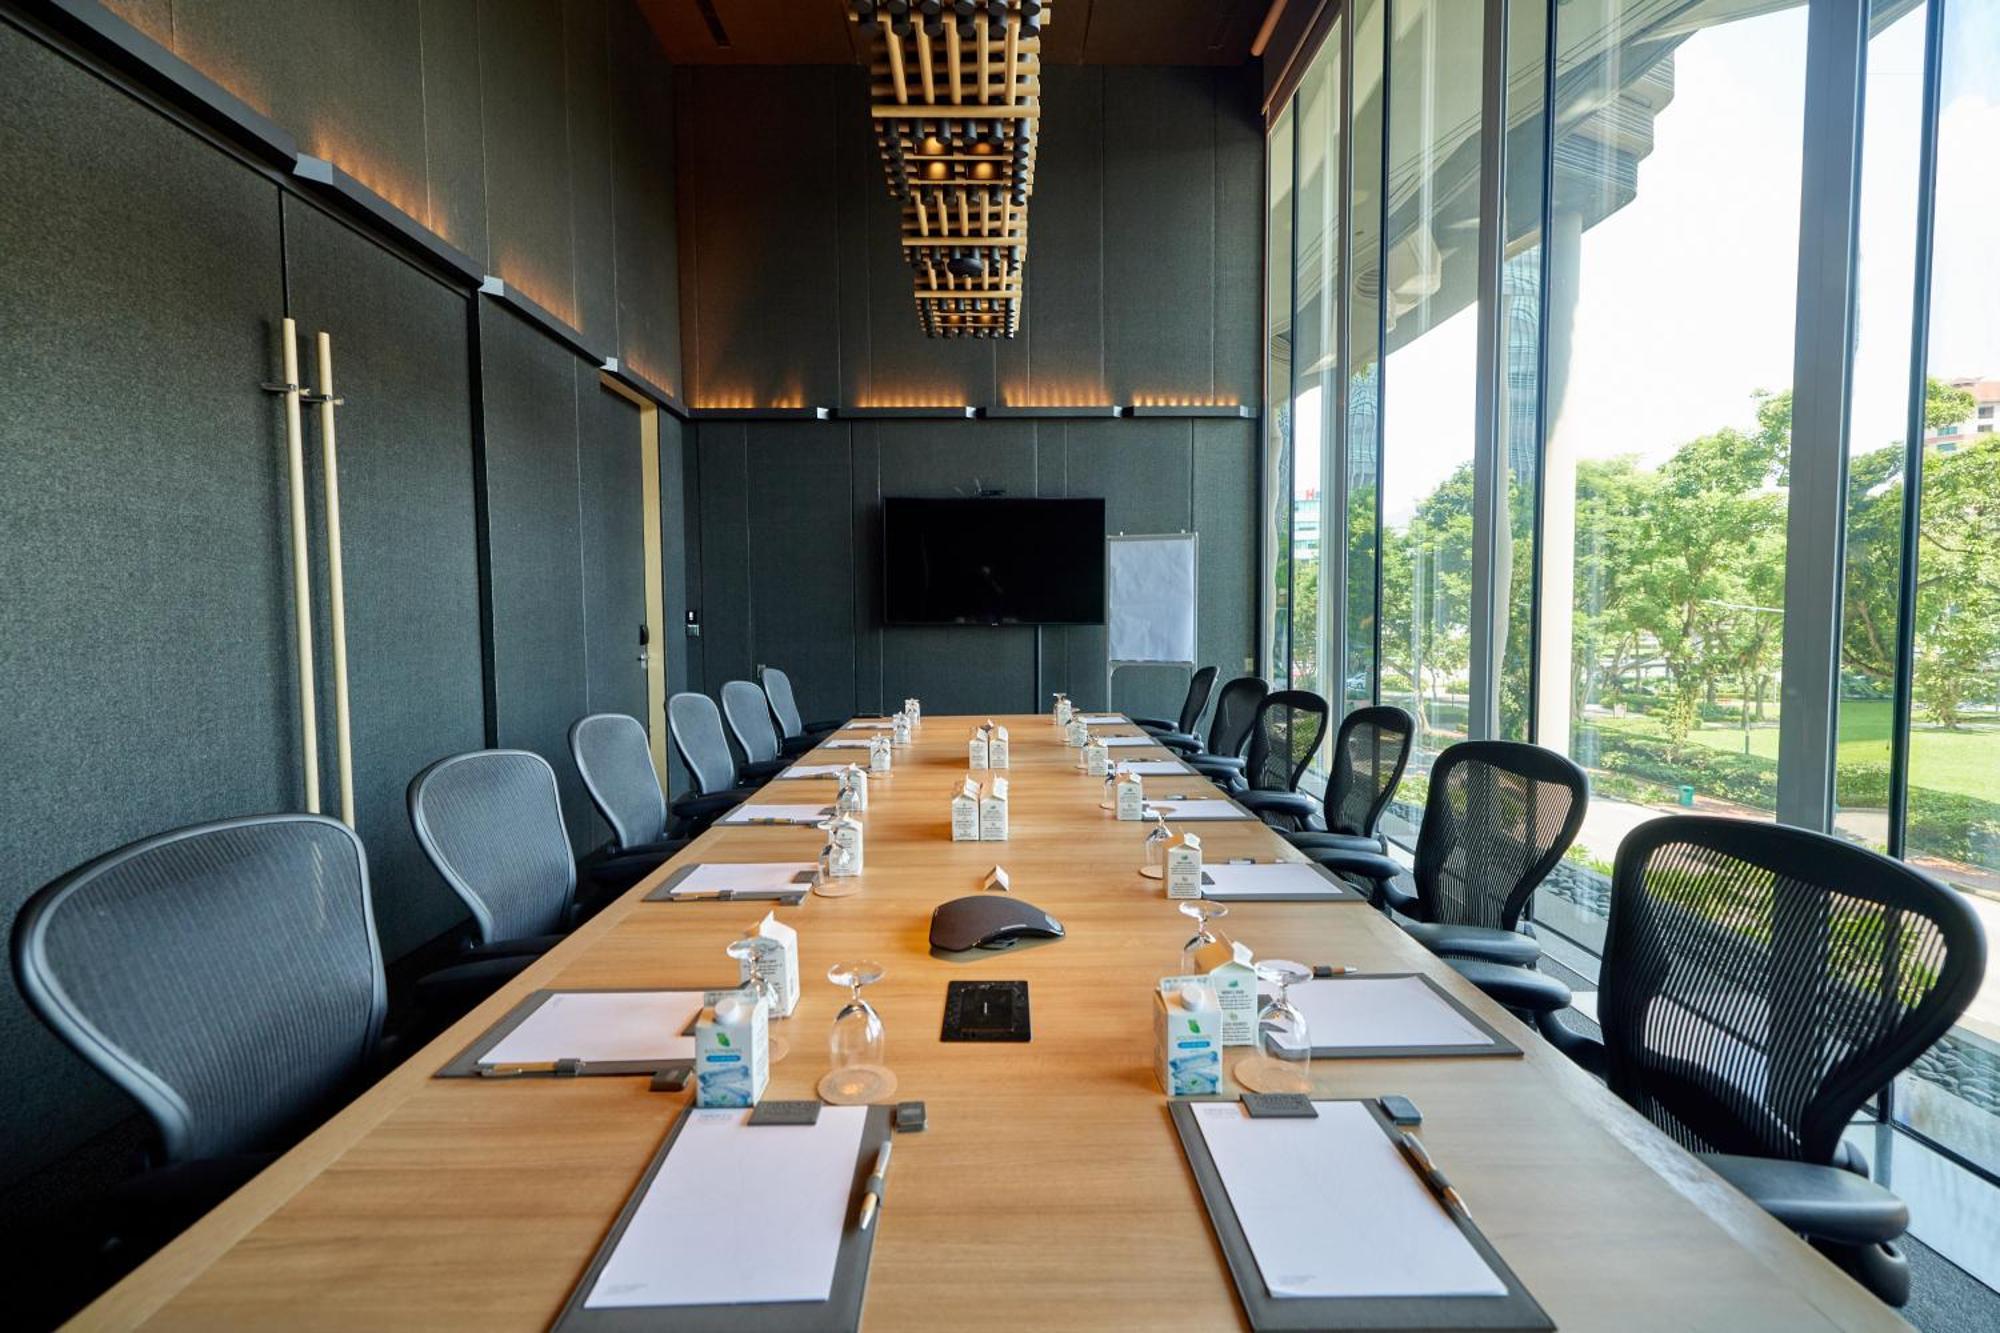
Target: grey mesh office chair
694, 724
1221, 759
749, 715
491, 823
1283, 740
1192, 706
1759, 984
614, 758
228, 978
795, 737
1371, 748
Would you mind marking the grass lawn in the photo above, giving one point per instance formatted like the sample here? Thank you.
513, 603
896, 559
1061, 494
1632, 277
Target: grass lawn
1966, 762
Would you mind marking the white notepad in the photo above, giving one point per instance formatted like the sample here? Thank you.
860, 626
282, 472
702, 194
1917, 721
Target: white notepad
1115, 741
743, 877
739, 1215
813, 771
1158, 768
777, 814
602, 1025
1101, 719
868, 726
844, 745
1177, 811
1359, 1012
1330, 1208
1282, 879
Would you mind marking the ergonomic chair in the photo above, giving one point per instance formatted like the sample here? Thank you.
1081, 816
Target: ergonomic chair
491, 823
694, 724
1371, 747
1500, 815
615, 760
227, 977
1285, 735
749, 715
1221, 759
794, 736
1760, 983
1192, 706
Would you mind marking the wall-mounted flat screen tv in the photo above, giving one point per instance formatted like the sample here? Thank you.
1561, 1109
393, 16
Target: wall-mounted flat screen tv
992, 562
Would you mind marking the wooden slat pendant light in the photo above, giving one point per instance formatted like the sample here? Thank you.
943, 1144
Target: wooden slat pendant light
956, 89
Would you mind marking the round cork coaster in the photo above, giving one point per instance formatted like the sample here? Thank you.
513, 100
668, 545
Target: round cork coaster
857, 1085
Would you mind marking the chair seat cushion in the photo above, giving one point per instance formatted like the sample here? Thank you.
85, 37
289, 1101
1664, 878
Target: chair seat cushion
1821, 1201
1498, 946
1518, 988
1320, 839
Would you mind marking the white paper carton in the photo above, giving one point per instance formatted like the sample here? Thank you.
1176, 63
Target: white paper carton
1227, 966
965, 812
993, 812
854, 783
1076, 733
1063, 710
900, 729
915, 708
1187, 1037
1095, 756
779, 963
1184, 867
978, 751
996, 744
732, 1051
844, 836
1131, 795
880, 753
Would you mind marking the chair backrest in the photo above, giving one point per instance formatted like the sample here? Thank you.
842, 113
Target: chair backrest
491, 822
749, 714
1499, 816
1199, 686
1283, 739
695, 725
1235, 714
1370, 750
1761, 982
778, 693
616, 761
227, 976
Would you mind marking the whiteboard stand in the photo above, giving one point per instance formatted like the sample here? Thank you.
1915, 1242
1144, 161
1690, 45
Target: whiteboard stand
1151, 603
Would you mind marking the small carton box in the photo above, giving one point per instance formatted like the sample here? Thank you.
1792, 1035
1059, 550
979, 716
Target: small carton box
1076, 733
1226, 964
899, 731
854, 783
1184, 866
1187, 1037
844, 837
1063, 710
915, 708
732, 1051
996, 746
965, 812
978, 750
1096, 755
880, 753
778, 961
1130, 794
993, 812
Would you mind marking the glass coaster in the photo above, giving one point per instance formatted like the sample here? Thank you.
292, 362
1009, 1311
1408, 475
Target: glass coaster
857, 1085
1153, 872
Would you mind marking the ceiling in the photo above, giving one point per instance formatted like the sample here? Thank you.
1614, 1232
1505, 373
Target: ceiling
1087, 32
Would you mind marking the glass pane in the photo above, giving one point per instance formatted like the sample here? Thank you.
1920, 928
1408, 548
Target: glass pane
1278, 396
1364, 315
1953, 827
1428, 282
1521, 345
1673, 258
1315, 352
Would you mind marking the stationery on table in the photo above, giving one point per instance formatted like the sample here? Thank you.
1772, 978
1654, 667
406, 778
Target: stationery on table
878, 725
1327, 1221
1117, 741
1159, 768
1378, 1016
810, 771
844, 745
1101, 719
585, 1032
1288, 881
738, 1224
785, 880
1199, 808
809, 815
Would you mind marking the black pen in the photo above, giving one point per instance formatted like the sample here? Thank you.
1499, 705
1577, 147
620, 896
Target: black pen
1413, 1150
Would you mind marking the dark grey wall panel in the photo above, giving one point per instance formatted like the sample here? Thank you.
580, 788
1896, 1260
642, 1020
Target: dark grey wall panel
527, 152
642, 174
1062, 319
612, 503
802, 559
537, 556
1238, 294
724, 501
454, 133
586, 52
1225, 514
402, 363
145, 626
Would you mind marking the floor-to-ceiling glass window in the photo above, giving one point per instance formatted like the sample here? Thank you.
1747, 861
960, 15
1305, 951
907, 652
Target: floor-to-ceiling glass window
1315, 363
1362, 399
1278, 395
1427, 277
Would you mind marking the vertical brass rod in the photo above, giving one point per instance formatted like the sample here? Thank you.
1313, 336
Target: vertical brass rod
301, 574
336, 582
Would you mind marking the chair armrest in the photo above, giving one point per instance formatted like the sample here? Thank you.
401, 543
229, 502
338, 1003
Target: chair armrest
1824, 1202
1368, 865
1216, 766
707, 805
1313, 840
1518, 988
1294, 803
1488, 943
1583, 1049
1187, 747
1155, 724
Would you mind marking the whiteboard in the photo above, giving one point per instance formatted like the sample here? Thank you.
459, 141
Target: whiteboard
1153, 591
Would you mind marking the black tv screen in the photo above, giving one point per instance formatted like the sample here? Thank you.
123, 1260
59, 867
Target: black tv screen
993, 562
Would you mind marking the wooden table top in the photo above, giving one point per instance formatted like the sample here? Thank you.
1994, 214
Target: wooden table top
1049, 1190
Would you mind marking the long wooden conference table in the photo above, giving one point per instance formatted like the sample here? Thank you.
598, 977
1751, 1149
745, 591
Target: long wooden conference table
1048, 1192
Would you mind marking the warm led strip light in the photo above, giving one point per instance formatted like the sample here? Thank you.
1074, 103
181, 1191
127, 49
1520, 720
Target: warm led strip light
956, 88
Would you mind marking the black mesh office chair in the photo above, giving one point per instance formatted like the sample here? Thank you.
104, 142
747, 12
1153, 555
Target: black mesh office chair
1499, 817
614, 757
1221, 759
1371, 747
748, 713
1192, 707
228, 978
1283, 739
694, 724
1759, 984
795, 737
491, 823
